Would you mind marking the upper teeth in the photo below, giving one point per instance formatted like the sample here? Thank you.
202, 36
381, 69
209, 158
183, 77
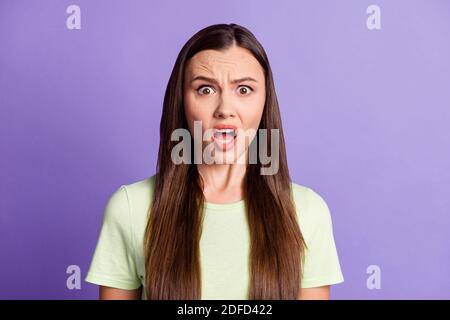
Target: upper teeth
227, 131
220, 132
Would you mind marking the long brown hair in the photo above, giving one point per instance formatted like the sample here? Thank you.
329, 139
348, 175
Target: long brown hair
172, 236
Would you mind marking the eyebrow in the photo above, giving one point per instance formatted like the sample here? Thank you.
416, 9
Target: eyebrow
212, 80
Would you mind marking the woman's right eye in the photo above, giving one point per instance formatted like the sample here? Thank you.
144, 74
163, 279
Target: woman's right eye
205, 90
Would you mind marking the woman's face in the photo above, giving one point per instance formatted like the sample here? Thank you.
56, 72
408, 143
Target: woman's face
225, 90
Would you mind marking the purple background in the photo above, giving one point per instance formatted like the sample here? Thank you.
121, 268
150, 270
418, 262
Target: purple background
365, 112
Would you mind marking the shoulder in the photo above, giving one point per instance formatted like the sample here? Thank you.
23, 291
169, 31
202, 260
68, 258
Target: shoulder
321, 260
130, 201
140, 191
312, 210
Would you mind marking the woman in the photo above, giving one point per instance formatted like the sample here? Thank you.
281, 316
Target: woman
217, 229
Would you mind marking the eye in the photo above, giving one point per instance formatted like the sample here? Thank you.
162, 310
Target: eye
244, 90
205, 90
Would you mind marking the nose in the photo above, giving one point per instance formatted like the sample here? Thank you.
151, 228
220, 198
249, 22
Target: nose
225, 108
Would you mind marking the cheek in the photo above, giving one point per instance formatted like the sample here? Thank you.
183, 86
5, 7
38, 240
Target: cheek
196, 110
251, 113
188, 106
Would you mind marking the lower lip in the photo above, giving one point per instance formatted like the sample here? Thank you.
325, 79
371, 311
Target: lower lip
224, 145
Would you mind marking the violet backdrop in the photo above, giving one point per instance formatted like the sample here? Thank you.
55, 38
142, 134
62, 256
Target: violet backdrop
365, 113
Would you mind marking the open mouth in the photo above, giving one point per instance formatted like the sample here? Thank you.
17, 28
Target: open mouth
224, 138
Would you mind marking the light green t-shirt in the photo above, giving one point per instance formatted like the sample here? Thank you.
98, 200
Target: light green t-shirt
118, 260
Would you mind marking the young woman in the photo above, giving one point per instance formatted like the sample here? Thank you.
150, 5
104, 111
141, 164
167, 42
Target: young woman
221, 229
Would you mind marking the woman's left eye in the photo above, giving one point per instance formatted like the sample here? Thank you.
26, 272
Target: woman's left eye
244, 90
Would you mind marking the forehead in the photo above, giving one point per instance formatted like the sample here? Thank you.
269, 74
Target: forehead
234, 60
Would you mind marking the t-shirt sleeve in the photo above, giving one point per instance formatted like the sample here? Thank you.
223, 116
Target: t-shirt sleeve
113, 262
321, 264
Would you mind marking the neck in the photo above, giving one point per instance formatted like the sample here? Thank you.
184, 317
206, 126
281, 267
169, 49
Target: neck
223, 183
